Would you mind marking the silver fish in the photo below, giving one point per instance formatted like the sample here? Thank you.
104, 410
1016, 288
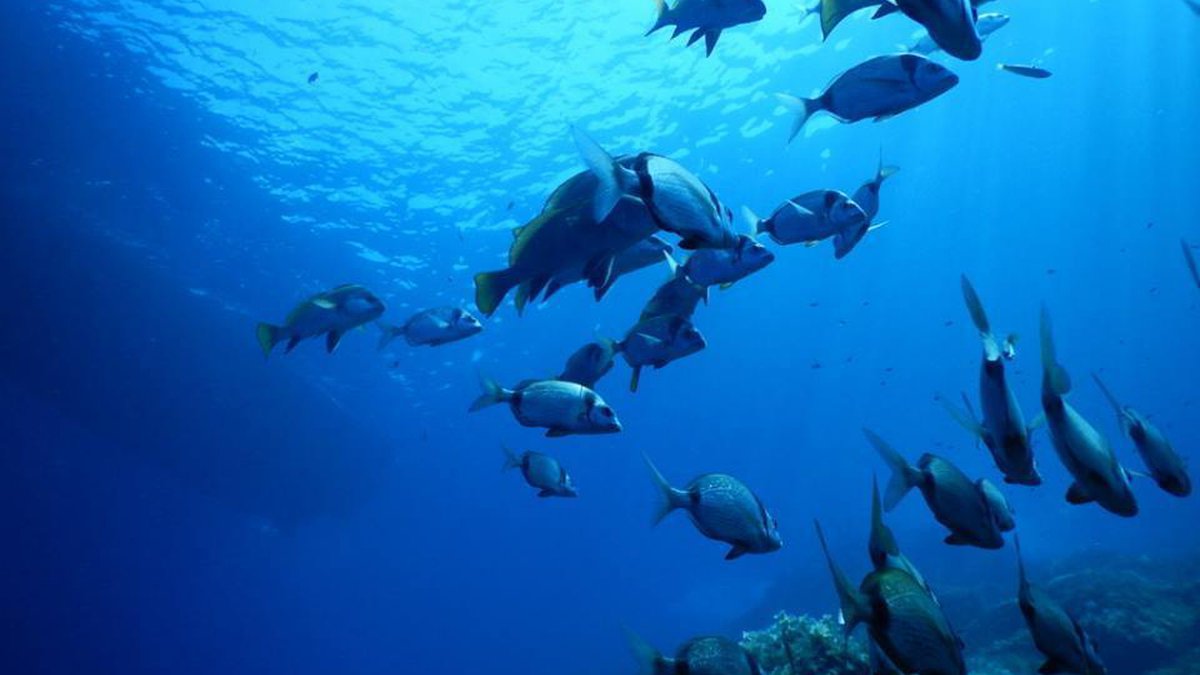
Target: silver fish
433, 327
542, 472
723, 509
1035, 72
726, 266
1056, 633
331, 314
1166, 467
657, 342
812, 217
562, 408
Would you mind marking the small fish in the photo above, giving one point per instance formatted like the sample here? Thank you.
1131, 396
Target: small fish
675, 198
879, 88
1166, 467
1025, 71
542, 472
955, 501
433, 327
562, 408
1003, 429
331, 314
951, 24
811, 218
1190, 259
723, 509
510, 206
590, 363
312, 79
658, 342
987, 24
707, 18
1056, 633
1099, 477
698, 656
726, 266
902, 618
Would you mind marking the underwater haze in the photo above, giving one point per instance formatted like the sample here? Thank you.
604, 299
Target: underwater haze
174, 172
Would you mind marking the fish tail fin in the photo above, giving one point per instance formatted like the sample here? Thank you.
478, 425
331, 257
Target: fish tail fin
803, 108
671, 498
975, 306
492, 394
752, 219
491, 287
648, 658
885, 9
884, 171
904, 476
1020, 561
663, 16
1112, 400
511, 459
387, 334
269, 336
855, 608
1054, 375
635, 379
965, 417
614, 180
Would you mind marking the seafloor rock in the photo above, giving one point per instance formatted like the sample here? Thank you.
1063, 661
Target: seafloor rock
800, 645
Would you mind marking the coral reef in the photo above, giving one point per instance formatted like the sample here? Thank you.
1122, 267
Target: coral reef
800, 645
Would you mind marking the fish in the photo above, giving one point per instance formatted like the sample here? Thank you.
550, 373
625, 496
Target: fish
986, 24
1003, 430
833, 12
590, 363
882, 547
542, 472
1085, 453
645, 253
812, 217
951, 24
1002, 511
676, 199
1166, 467
902, 618
1056, 632
678, 296
657, 342
562, 408
1193, 5
332, 313
878, 88
867, 195
1025, 71
723, 509
312, 79
726, 266
955, 501
1190, 259
710, 655
432, 327
707, 17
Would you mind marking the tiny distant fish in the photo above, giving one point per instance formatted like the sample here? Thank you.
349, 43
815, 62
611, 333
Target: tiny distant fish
1056, 633
331, 314
698, 656
562, 408
312, 79
433, 327
707, 18
510, 206
542, 472
879, 88
723, 509
1025, 71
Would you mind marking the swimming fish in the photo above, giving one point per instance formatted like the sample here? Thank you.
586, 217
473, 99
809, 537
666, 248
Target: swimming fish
331, 314
986, 25
723, 509
657, 342
879, 88
902, 618
542, 472
590, 363
1099, 477
433, 327
882, 546
1056, 633
676, 199
812, 217
955, 501
645, 253
1166, 467
726, 266
312, 79
698, 656
1025, 71
1003, 429
562, 408
951, 24
707, 17
678, 296
867, 195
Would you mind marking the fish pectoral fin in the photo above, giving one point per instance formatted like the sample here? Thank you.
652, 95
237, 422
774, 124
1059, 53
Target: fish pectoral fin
956, 540
736, 552
1050, 667
710, 41
1076, 494
726, 286
331, 340
556, 432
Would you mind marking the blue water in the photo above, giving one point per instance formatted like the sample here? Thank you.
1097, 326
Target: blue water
173, 503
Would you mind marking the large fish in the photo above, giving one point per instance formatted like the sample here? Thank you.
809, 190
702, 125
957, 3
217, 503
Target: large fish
878, 88
331, 314
1003, 429
1166, 467
951, 24
542, 472
657, 342
698, 656
1087, 455
433, 327
812, 217
726, 266
1056, 633
723, 509
986, 25
902, 618
956, 502
707, 18
562, 408
676, 199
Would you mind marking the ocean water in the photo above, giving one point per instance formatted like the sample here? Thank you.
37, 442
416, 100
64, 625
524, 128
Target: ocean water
175, 504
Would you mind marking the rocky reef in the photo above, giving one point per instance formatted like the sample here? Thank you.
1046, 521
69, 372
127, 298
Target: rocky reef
801, 645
